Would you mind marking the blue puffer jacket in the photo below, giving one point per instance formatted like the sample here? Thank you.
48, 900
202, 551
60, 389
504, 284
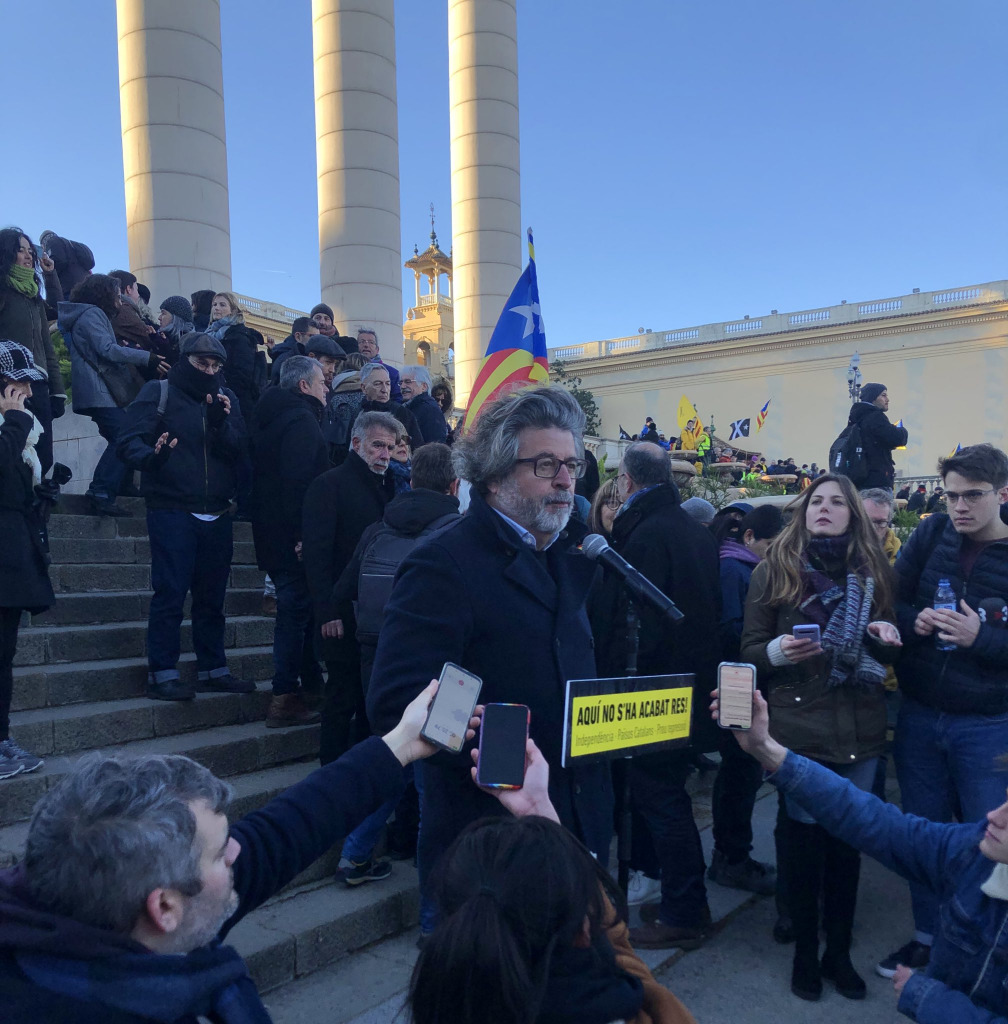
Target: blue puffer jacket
966, 980
971, 680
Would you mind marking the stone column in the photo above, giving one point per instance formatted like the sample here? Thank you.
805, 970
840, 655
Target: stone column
485, 177
357, 143
171, 100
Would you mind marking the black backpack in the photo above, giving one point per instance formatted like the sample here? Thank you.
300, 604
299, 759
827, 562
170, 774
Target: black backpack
847, 455
379, 562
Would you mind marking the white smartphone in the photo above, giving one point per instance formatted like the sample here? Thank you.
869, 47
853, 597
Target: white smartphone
806, 631
452, 707
736, 683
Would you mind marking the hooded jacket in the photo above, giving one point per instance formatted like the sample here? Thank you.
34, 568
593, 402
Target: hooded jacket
288, 452
879, 438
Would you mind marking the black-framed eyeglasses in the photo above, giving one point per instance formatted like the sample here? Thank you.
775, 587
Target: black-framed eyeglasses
547, 467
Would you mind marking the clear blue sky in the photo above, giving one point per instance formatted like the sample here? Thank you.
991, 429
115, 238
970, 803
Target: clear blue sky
682, 162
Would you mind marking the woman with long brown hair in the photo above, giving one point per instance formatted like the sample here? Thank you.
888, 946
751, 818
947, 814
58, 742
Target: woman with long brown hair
825, 569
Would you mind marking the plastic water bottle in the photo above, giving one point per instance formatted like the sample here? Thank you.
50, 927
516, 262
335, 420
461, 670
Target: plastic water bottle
944, 600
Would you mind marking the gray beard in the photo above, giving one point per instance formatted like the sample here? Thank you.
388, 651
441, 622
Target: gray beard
535, 514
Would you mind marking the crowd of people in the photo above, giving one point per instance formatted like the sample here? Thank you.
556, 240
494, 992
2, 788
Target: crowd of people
392, 547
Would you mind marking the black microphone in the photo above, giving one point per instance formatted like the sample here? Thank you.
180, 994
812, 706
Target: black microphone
640, 587
992, 610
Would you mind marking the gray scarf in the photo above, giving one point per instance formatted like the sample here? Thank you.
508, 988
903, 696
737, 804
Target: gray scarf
844, 637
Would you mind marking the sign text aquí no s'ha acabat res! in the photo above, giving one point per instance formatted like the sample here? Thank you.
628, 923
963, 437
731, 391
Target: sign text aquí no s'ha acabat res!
600, 723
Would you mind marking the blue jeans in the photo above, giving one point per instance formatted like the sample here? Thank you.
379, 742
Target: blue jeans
666, 842
947, 769
109, 473
292, 635
360, 844
187, 554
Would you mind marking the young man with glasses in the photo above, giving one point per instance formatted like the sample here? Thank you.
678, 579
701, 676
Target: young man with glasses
953, 672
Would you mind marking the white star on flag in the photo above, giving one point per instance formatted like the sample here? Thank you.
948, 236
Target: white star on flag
528, 312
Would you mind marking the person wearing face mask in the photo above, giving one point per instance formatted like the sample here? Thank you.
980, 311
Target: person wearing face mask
185, 435
827, 570
377, 387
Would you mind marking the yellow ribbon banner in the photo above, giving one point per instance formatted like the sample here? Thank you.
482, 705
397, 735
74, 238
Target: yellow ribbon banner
607, 718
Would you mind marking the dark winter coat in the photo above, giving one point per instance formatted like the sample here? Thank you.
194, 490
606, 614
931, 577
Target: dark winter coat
287, 348
916, 502
129, 326
401, 413
838, 725
429, 417
73, 260
24, 579
90, 339
200, 474
287, 454
240, 345
24, 320
735, 578
680, 558
478, 596
879, 438
278, 841
339, 506
971, 680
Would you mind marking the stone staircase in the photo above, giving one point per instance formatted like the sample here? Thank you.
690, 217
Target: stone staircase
79, 680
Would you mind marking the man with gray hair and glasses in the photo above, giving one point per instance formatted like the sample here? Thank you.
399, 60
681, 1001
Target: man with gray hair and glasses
502, 593
132, 876
415, 382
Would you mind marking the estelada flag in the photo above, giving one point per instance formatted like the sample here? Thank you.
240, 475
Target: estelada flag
762, 414
516, 355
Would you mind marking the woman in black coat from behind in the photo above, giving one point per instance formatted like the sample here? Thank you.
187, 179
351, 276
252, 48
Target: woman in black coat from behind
24, 579
227, 325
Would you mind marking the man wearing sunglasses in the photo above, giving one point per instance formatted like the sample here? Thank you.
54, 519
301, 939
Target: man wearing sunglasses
502, 593
953, 671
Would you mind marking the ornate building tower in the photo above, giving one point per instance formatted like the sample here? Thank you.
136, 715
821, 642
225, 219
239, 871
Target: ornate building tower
429, 330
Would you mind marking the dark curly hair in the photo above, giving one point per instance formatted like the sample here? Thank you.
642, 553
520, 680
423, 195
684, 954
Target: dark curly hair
99, 290
10, 242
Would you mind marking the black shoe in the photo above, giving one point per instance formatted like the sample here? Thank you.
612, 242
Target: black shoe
106, 506
914, 955
225, 684
840, 971
170, 689
806, 979
748, 875
783, 930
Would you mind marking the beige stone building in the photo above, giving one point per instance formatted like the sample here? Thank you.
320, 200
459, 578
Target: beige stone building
943, 356
429, 329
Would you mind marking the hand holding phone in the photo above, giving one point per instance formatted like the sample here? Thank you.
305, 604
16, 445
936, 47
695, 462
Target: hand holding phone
806, 631
452, 707
736, 684
503, 738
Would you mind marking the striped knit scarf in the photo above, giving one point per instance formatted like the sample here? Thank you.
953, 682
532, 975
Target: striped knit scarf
844, 637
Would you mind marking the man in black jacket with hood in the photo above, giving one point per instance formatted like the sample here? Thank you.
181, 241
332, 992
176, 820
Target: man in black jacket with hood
288, 452
879, 437
680, 557
186, 435
338, 508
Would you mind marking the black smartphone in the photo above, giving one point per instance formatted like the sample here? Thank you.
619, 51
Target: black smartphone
503, 736
736, 683
452, 707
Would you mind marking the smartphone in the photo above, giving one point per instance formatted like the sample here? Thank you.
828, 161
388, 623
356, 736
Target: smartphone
452, 707
736, 683
503, 736
806, 631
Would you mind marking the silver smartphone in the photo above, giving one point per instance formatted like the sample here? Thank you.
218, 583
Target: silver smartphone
736, 683
806, 631
452, 707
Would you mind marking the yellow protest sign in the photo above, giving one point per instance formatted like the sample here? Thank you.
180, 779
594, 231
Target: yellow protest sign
619, 717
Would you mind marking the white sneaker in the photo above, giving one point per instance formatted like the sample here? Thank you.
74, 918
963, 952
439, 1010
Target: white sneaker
642, 889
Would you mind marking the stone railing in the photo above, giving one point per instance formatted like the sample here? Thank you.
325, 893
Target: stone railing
434, 300
269, 310
778, 323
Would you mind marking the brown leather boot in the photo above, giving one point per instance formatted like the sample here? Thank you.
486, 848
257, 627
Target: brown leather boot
290, 709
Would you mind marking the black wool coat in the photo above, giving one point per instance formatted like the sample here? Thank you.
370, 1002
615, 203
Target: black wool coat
339, 506
429, 417
476, 595
880, 437
240, 345
680, 558
24, 580
288, 452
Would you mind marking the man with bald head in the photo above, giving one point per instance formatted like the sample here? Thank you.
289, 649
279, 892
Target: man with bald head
680, 557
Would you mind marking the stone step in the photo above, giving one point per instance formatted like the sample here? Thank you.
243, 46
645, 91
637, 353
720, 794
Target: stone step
315, 926
49, 644
226, 750
79, 727
123, 551
75, 578
124, 605
80, 505
104, 527
41, 686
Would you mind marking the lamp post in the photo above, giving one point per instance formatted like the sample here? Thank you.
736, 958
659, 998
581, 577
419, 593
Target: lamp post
854, 378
